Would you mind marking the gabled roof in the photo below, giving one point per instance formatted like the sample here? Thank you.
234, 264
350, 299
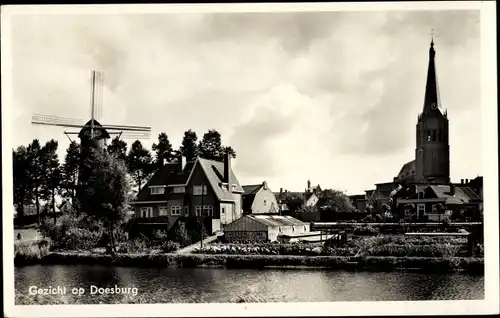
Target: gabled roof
461, 194
214, 170
285, 196
407, 171
167, 175
252, 189
249, 196
276, 220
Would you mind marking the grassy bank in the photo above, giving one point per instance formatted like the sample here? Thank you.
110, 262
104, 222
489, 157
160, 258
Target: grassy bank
375, 263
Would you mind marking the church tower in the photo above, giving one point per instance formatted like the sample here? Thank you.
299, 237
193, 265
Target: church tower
432, 154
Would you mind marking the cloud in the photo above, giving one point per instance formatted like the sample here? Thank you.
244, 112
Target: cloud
325, 95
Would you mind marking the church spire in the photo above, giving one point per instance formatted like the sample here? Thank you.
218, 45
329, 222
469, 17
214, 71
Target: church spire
431, 100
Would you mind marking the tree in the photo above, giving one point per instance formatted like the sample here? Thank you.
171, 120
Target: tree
210, 146
229, 150
103, 194
339, 202
139, 164
189, 148
21, 165
163, 150
118, 148
36, 173
70, 171
52, 174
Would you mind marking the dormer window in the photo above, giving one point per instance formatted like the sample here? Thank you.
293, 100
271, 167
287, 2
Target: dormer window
179, 190
199, 190
157, 190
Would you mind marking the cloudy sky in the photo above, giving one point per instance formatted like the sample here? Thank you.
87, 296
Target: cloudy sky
330, 96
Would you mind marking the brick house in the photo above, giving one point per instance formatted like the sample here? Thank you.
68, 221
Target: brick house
188, 189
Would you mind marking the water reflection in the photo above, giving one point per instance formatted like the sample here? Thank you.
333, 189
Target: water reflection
221, 285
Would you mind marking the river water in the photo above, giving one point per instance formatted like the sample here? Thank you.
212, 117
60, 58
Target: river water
165, 285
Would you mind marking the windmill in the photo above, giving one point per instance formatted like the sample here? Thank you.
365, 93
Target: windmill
93, 133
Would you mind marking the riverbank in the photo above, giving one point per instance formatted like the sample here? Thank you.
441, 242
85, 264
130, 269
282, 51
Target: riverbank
472, 265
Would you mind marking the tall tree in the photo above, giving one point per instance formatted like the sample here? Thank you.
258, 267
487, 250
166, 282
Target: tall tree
36, 173
163, 150
338, 201
189, 147
118, 148
210, 146
139, 163
21, 179
104, 192
70, 171
52, 175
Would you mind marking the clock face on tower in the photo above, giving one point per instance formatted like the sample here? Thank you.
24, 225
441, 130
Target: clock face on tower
433, 105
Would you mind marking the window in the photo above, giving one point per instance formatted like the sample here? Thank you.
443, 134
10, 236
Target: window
186, 211
197, 190
163, 210
179, 190
434, 209
265, 202
175, 210
420, 194
234, 187
197, 210
434, 135
147, 212
208, 210
421, 209
223, 210
157, 190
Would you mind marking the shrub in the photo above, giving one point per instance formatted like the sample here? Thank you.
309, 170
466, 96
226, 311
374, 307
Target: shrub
28, 251
366, 230
134, 246
170, 246
181, 234
52, 231
80, 239
160, 235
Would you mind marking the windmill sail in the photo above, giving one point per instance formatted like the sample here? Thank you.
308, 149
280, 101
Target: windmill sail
92, 129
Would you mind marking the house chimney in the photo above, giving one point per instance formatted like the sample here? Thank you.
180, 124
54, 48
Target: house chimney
227, 171
181, 160
461, 181
281, 190
452, 189
466, 181
264, 185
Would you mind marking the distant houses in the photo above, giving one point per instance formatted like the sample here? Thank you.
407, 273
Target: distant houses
189, 190
432, 202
